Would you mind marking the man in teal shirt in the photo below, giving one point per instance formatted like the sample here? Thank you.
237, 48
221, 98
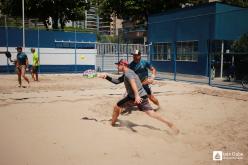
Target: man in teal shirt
21, 65
141, 67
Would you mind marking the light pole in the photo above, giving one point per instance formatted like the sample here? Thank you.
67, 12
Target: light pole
23, 26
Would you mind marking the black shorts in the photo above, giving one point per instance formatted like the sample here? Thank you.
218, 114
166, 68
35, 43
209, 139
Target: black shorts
129, 102
147, 89
35, 69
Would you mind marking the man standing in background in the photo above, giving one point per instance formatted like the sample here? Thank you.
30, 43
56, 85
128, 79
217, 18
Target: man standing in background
35, 66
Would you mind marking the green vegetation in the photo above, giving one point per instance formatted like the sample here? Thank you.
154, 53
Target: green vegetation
241, 45
62, 11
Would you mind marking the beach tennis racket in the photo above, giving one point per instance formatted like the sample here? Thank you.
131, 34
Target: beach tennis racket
89, 73
8, 55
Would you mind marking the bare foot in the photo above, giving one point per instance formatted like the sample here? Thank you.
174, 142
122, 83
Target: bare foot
174, 129
115, 115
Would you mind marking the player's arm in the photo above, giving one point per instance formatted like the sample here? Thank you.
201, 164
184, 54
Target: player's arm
150, 80
133, 84
26, 60
154, 72
113, 80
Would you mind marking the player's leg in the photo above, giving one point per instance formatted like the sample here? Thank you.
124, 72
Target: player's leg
123, 103
23, 71
161, 118
33, 73
153, 99
36, 73
146, 107
115, 115
150, 95
18, 70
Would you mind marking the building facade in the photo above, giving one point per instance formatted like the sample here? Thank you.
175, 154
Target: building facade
184, 39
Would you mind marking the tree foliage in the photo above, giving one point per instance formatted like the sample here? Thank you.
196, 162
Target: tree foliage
241, 45
138, 10
62, 10
241, 3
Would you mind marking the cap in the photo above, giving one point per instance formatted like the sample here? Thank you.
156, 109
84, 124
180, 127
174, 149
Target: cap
122, 62
18, 47
136, 52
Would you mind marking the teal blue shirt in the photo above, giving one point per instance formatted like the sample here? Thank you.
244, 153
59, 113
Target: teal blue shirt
141, 68
21, 58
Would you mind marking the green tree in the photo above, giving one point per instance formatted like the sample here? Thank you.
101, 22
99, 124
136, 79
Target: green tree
138, 10
241, 3
59, 10
241, 45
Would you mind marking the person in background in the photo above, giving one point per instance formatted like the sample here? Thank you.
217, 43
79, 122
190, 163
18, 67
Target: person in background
36, 64
21, 66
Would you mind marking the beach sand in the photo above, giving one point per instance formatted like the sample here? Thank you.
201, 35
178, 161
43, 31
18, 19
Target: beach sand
64, 120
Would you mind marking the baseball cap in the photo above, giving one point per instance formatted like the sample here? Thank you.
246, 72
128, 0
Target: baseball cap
122, 62
136, 52
18, 47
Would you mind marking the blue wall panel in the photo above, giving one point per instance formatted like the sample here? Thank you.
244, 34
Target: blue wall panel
231, 22
214, 21
46, 38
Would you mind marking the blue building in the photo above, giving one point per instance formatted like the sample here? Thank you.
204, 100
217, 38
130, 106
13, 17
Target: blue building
184, 39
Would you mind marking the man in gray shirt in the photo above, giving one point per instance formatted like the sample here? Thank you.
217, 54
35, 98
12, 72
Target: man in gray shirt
136, 95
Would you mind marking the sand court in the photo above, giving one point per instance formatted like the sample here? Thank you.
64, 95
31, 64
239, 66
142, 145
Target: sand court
64, 119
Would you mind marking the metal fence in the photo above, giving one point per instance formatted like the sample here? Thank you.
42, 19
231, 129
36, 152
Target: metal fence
109, 53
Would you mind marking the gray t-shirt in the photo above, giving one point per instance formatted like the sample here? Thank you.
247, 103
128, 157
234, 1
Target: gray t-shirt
130, 74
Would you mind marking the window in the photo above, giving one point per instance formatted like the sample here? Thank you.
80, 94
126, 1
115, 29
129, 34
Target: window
162, 51
187, 51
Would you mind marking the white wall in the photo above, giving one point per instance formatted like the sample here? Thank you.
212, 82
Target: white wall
56, 56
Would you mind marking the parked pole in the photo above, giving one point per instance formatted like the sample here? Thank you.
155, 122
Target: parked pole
221, 59
23, 26
6, 32
39, 46
209, 63
118, 49
175, 60
149, 57
127, 51
75, 51
102, 55
7, 42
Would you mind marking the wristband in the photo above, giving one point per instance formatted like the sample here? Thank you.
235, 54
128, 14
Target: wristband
108, 78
